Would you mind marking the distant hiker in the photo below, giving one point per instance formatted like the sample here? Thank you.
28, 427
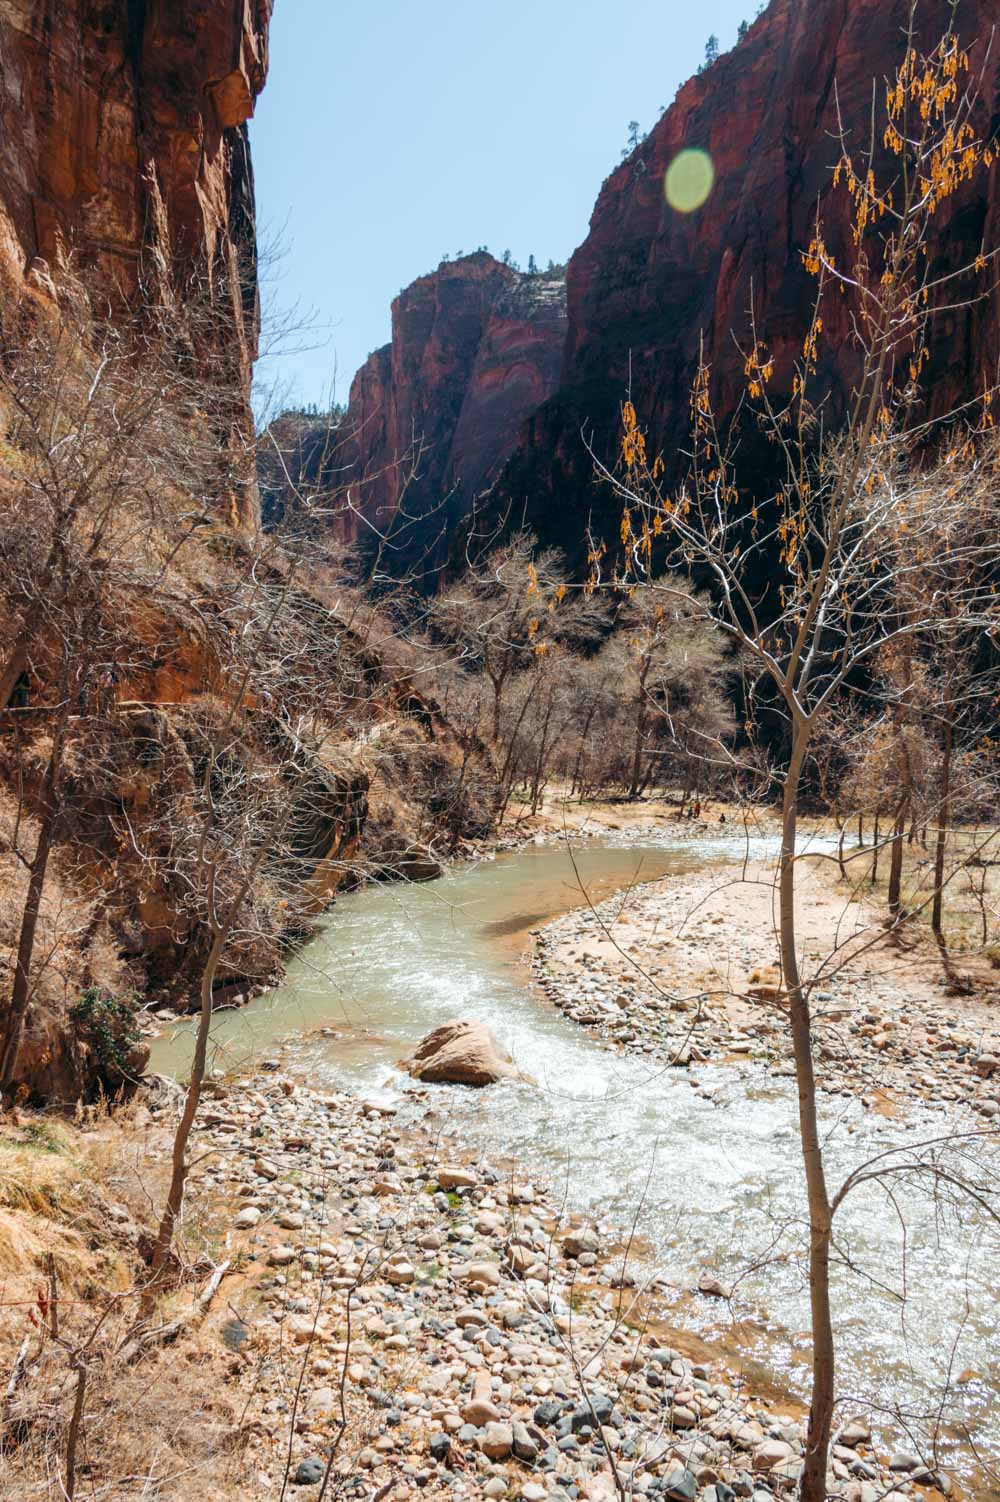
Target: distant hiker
697, 811
722, 818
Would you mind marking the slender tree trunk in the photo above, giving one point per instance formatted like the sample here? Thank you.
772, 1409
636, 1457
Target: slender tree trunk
456, 803
75, 1425
903, 811
820, 1214
943, 820
861, 830
896, 861
539, 768
875, 838
497, 695
17, 1009
635, 777
580, 752
179, 1164
840, 850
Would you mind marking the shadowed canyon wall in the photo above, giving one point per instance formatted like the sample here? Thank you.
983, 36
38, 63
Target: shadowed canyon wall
648, 282
476, 348
124, 152
473, 391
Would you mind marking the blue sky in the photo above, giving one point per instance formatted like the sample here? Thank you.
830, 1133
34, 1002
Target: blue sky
393, 131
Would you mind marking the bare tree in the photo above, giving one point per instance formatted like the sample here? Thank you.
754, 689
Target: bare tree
668, 662
828, 540
107, 472
511, 609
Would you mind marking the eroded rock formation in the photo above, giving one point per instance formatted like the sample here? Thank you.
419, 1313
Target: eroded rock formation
124, 152
476, 347
648, 281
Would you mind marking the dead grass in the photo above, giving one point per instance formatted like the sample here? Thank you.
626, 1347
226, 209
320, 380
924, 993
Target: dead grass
73, 1200
970, 890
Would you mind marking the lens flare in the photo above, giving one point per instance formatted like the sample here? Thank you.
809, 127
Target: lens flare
689, 181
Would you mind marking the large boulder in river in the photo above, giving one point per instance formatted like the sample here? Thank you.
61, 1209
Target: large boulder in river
461, 1053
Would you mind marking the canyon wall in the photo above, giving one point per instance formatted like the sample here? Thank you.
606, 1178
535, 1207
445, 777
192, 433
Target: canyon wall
649, 283
124, 153
476, 348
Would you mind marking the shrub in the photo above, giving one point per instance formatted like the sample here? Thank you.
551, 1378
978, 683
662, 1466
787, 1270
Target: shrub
107, 1024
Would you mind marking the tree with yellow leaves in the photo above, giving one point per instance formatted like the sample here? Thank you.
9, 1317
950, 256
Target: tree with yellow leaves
843, 538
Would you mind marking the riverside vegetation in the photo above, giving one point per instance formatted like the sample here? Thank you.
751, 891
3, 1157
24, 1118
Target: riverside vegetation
210, 728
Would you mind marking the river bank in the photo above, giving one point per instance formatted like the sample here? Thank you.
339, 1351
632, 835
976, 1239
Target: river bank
457, 1333
433, 1282
686, 970
399, 963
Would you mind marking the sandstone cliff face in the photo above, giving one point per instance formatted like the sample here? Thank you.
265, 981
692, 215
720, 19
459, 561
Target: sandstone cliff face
123, 146
647, 282
476, 348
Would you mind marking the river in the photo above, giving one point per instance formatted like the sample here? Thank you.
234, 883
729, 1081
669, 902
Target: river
704, 1162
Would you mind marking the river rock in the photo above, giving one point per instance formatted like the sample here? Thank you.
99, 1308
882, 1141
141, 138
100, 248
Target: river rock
857, 1432
455, 1178
485, 1273
681, 1486
526, 1446
771, 1453
575, 1243
281, 1256
461, 1053
309, 1473
419, 863
498, 1441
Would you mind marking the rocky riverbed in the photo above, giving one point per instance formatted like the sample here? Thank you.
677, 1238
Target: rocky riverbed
684, 971
423, 1324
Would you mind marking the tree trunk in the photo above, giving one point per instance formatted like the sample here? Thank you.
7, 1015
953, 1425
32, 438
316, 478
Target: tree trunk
455, 815
179, 1164
943, 819
820, 1215
861, 830
636, 777
13, 1022
875, 851
576, 782
497, 685
896, 862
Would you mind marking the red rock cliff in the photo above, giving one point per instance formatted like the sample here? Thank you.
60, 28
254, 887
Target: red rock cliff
476, 348
647, 282
123, 144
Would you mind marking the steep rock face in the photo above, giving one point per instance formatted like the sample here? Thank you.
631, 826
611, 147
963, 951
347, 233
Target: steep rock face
648, 281
476, 347
123, 145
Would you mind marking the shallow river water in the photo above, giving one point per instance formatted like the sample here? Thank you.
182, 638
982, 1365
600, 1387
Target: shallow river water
710, 1181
